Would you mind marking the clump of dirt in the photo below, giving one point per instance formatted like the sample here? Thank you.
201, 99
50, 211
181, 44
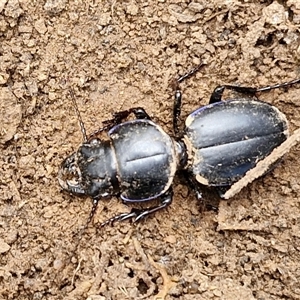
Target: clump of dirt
121, 54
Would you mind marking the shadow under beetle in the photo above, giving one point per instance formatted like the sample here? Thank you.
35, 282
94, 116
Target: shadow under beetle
220, 143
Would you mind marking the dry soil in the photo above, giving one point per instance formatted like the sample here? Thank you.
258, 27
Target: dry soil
116, 55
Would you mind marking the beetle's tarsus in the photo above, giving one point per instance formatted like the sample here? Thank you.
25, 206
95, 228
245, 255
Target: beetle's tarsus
139, 214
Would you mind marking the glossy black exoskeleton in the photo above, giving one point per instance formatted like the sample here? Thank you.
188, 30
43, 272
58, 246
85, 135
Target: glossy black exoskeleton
226, 139
220, 143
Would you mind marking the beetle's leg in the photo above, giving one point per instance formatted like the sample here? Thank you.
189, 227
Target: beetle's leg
166, 200
89, 220
192, 183
93, 210
138, 214
177, 111
91, 216
139, 113
276, 86
216, 95
178, 97
119, 117
197, 188
190, 73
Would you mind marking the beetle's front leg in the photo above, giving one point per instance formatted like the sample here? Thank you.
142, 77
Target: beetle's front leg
119, 117
138, 214
139, 113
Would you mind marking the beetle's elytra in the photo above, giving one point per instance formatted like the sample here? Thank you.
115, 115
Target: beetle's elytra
220, 143
228, 138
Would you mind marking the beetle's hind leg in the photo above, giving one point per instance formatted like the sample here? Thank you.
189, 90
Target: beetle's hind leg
217, 94
138, 214
198, 190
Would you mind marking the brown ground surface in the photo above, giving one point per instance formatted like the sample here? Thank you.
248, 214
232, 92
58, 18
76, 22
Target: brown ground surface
116, 55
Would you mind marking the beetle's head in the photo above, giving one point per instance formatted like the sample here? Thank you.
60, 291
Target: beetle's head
69, 175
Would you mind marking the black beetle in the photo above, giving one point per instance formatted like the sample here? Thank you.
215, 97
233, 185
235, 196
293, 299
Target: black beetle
220, 143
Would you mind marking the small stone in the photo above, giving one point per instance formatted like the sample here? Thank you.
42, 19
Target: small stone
54, 7
171, 239
10, 114
3, 78
4, 247
40, 26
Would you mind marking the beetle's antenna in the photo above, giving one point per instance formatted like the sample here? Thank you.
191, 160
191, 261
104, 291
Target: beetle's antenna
190, 73
83, 131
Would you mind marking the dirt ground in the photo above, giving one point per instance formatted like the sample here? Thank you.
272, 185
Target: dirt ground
121, 54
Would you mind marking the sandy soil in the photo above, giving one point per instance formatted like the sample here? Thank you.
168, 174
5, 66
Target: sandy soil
116, 55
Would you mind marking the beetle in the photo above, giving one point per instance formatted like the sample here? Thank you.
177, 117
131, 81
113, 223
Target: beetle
219, 144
